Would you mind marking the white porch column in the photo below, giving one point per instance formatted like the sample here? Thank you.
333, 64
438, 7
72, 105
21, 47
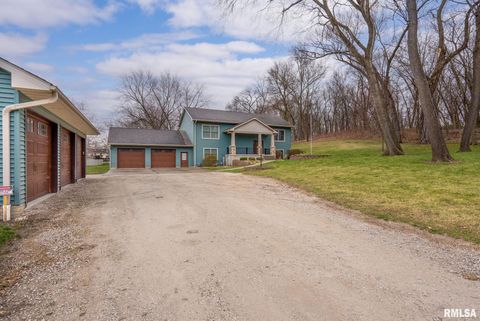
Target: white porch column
233, 148
273, 151
259, 145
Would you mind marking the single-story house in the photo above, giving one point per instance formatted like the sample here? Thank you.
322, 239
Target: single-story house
43, 135
224, 135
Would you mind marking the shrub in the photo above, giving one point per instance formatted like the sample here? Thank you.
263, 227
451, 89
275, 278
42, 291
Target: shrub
252, 158
209, 161
243, 158
292, 152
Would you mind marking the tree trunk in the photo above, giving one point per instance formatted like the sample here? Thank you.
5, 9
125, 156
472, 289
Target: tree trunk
472, 116
440, 151
379, 101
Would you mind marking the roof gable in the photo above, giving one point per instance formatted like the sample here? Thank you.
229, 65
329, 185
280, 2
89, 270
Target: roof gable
253, 126
36, 88
22, 78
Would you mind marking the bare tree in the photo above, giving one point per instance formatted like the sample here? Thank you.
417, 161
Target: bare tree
351, 32
150, 101
253, 99
440, 151
472, 116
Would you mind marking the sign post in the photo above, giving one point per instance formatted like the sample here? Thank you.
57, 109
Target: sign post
6, 192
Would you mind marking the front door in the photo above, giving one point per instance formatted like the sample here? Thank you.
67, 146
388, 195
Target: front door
184, 159
255, 146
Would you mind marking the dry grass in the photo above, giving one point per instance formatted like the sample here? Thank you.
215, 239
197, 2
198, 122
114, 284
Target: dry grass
440, 198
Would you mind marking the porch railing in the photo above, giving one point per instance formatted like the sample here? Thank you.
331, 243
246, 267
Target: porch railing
248, 151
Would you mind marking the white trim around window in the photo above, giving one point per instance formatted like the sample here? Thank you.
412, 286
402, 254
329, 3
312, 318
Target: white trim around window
218, 131
278, 134
211, 148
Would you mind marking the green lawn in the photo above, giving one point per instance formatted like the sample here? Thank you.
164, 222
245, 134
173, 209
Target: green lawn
6, 233
440, 198
98, 169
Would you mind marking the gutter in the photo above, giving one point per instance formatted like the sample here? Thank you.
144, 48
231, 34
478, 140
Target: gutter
6, 128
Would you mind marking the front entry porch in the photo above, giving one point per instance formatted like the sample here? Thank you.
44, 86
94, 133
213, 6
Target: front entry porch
247, 140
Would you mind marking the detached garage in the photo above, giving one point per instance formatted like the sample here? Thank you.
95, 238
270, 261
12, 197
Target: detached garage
149, 148
43, 137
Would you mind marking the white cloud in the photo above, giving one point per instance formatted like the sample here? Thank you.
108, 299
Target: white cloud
257, 20
214, 65
48, 13
16, 44
149, 41
215, 51
77, 69
147, 6
101, 103
40, 68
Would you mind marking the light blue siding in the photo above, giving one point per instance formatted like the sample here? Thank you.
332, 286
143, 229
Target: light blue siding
113, 157
8, 96
241, 141
187, 125
188, 150
148, 157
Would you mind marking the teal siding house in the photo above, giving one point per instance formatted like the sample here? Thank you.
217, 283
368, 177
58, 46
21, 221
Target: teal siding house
43, 136
203, 133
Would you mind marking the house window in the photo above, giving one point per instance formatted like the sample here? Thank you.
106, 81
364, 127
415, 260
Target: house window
30, 125
210, 152
210, 131
280, 135
42, 129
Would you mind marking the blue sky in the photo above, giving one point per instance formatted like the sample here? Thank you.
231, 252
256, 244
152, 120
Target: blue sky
85, 46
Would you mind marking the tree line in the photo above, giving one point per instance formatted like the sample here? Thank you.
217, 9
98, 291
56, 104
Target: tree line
401, 64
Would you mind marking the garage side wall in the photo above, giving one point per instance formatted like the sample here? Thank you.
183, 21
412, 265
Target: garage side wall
188, 150
8, 96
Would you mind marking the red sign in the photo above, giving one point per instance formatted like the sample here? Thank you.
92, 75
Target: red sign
6, 190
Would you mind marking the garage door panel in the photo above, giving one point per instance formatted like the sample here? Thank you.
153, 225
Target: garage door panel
163, 158
131, 158
39, 157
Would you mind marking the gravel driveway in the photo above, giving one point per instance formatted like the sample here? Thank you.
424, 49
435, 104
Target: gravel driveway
194, 245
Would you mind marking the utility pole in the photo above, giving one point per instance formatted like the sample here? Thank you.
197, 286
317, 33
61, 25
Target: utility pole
311, 133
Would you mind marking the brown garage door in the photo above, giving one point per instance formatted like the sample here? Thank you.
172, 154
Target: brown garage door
163, 158
131, 158
39, 157
66, 159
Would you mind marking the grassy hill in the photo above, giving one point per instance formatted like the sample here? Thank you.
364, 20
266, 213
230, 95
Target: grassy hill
440, 198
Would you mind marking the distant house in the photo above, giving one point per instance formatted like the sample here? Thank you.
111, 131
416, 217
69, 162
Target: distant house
224, 135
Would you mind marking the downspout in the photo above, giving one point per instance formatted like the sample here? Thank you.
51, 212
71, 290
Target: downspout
6, 128
194, 143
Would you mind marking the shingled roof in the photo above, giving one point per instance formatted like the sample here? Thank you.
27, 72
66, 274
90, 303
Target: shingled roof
150, 137
234, 117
